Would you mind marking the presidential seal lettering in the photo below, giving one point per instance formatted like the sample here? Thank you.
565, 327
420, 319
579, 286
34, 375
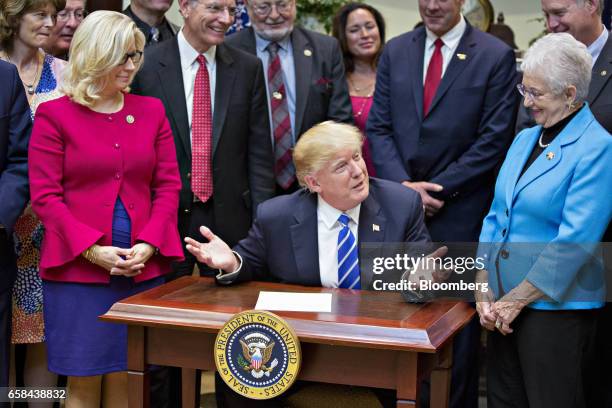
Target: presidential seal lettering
257, 354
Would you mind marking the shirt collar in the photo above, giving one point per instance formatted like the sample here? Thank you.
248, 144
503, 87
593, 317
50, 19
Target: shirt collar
329, 215
597, 45
261, 43
451, 38
189, 54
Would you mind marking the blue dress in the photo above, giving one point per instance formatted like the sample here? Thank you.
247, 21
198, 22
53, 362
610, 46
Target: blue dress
78, 344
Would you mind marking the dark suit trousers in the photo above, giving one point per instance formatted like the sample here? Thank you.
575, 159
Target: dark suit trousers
546, 362
189, 226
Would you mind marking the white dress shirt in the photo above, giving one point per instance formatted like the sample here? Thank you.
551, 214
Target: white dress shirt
451, 42
189, 68
598, 45
328, 229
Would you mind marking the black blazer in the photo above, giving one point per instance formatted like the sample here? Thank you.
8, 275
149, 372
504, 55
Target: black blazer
15, 128
243, 172
321, 89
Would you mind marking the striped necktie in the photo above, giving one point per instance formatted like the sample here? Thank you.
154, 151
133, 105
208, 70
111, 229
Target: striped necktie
348, 258
281, 122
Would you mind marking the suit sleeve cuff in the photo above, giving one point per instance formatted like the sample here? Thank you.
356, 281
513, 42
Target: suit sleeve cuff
227, 278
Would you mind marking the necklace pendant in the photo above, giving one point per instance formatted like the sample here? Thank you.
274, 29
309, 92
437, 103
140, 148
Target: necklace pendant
31, 90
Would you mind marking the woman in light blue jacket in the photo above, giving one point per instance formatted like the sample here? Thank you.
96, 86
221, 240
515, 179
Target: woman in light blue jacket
552, 203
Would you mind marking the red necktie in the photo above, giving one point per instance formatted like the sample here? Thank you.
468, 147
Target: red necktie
434, 75
201, 135
281, 122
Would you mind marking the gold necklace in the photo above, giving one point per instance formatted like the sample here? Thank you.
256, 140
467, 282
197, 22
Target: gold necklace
362, 107
365, 88
30, 88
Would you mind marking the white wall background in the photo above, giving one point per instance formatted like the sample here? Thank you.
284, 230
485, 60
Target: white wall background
402, 15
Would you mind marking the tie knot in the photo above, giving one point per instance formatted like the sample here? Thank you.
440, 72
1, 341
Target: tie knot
344, 220
201, 60
438, 43
273, 48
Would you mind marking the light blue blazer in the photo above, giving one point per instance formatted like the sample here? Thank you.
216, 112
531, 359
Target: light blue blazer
546, 225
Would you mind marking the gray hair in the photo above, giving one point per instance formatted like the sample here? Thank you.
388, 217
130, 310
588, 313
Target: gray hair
600, 5
560, 61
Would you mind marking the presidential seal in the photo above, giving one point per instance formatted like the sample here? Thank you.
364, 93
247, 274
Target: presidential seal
257, 354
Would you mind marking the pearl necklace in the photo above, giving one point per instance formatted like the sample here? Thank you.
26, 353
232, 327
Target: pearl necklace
542, 145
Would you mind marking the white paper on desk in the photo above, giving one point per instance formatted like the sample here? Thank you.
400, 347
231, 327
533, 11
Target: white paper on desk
294, 302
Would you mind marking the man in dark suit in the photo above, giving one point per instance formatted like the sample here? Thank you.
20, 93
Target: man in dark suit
239, 157
299, 238
582, 19
215, 100
441, 122
304, 77
15, 127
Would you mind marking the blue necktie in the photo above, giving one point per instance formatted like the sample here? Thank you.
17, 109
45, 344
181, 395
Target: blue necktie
348, 258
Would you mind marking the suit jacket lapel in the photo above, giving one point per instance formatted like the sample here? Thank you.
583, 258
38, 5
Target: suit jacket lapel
171, 79
372, 228
247, 41
519, 161
303, 72
226, 74
456, 66
602, 71
415, 56
304, 240
552, 155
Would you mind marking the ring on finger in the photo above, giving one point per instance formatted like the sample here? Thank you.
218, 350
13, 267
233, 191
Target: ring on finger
498, 324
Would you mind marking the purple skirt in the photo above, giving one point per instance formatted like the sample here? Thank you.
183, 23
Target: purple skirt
78, 343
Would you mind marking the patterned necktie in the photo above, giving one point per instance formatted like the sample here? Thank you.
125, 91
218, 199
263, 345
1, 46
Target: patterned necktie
201, 135
348, 258
154, 35
434, 76
281, 122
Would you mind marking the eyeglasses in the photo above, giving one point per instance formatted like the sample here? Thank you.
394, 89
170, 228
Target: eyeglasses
530, 93
135, 56
264, 9
42, 15
216, 9
65, 15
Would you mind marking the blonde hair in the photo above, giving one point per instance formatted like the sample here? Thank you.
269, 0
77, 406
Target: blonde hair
11, 12
99, 45
320, 144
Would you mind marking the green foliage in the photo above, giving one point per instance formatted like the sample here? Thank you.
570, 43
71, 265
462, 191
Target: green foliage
322, 10
540, 20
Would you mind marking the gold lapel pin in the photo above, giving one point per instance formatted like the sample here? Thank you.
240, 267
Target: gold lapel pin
308, 53
129, 119
550, 155
462, 57
375, 227
277, 95
604, 73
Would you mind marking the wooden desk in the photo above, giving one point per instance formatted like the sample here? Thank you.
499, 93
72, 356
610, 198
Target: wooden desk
371, 339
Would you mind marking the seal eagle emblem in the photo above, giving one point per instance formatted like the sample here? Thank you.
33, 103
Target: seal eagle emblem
257, 354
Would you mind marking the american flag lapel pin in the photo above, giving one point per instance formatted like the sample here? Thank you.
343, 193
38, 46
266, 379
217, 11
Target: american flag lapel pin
375, 227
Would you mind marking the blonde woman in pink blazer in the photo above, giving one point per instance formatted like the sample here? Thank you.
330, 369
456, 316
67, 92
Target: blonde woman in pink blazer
105, 183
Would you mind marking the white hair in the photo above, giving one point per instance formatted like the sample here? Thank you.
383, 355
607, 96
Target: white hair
560, 61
